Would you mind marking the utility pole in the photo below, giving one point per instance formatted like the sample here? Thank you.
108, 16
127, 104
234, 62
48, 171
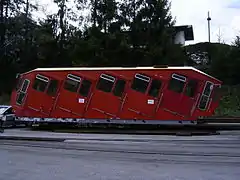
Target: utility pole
209, 19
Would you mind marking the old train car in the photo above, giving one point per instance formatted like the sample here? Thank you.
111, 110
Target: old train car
152, 95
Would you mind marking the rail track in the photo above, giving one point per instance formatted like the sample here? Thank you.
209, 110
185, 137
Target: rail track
205, 126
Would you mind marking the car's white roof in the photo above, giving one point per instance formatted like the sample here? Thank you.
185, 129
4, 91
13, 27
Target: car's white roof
4, 108
122, 68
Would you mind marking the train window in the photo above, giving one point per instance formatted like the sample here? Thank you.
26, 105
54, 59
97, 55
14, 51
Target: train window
140, 83
105, 83
20, 98
119, 87
203, 102
191, 88
205, 96
53, 87
25, 85
22, 93
208, 89
155, 87
40, 83
177, 83
72, 83
85, 88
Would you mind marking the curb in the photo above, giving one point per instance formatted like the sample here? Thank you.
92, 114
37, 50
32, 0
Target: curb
17, 138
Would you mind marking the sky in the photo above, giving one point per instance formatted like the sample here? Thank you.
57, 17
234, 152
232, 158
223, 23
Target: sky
225, 15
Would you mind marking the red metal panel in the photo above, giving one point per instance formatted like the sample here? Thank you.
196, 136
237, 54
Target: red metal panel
138, 106
39, 101
104, 103
172, 96
70, 102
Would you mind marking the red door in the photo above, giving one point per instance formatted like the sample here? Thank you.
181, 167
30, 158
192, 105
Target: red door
173, 98
42, 95
107, 98
73, 97
51, 96
190, 98
141, 103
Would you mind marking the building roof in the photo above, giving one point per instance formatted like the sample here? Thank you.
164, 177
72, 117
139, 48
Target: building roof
123, 68
188, 31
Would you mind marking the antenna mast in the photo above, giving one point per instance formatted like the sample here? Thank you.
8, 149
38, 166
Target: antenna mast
209, 19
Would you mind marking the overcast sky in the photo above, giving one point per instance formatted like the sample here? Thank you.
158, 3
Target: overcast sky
225, 16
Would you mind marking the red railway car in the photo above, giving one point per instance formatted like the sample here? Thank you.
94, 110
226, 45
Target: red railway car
152, 95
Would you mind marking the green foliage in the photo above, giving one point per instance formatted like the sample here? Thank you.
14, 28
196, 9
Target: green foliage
230, 102
224, 61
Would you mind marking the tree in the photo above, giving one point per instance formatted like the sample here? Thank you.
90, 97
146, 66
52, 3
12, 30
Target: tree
236, 42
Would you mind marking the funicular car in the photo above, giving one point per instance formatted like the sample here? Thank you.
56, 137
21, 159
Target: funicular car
152, 95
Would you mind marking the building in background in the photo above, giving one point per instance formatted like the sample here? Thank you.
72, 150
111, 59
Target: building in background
183, 34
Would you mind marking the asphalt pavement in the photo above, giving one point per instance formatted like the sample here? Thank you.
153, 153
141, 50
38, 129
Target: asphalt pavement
112, 156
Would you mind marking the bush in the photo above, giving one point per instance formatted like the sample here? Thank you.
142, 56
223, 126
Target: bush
230, 102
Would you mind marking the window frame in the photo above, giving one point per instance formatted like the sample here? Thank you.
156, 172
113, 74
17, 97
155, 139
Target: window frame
41, 78
204, 95
21, 92
141, 77
74, 78
106, 77
180, 78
